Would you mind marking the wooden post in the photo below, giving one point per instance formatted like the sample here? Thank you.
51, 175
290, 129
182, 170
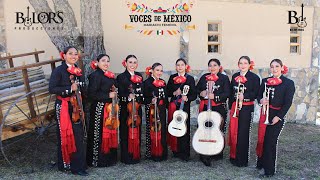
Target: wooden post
36, 56
53, 64
10, 61
1, 115
27, 90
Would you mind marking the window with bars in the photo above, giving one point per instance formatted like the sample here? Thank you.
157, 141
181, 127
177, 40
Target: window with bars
214, 37
295, 40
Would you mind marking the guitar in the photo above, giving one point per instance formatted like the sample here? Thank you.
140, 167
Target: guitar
302, 20
208, 139
27, 21
177, 127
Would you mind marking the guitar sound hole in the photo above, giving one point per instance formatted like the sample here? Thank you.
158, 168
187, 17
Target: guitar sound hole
179, 118
208, 124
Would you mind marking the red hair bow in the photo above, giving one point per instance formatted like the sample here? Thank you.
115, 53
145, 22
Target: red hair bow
148, 70
221, 69
188, 68
124, 64
285, 69
61, 55
251, 67
240, 78
74, 70
274, 81
159, 83
212, 77
179, 79
136, 79
109, 74
94, 64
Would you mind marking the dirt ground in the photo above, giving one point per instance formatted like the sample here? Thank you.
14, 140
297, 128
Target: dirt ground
298, 158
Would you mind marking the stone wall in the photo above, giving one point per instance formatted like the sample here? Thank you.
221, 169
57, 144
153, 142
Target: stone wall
305, 102
2, 34
316, 48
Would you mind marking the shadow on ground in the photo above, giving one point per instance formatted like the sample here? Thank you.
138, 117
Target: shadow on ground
298, 158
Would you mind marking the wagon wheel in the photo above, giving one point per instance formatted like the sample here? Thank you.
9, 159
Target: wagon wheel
26, 140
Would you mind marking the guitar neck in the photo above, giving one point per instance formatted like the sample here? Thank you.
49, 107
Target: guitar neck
28, 13
209, 100
209, 104
181, 105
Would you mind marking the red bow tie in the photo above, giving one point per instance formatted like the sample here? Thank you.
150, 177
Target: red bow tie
274, 81
212, 77
158, 83
179, 79
136, 79
240, 78
109, 74
74, 70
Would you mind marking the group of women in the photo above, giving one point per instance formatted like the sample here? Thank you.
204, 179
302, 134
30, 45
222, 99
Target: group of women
123, 95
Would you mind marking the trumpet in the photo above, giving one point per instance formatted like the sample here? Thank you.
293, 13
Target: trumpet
240, 89
265, 111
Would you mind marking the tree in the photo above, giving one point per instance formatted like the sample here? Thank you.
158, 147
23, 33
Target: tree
87, 38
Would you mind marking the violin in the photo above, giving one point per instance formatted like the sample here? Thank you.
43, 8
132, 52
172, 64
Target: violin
134, 119
76, 102
75, 109
155, 124
112, 122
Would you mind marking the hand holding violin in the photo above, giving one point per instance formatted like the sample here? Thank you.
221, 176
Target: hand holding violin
112, 94
74, 86
131, 96
264, 101
154, 100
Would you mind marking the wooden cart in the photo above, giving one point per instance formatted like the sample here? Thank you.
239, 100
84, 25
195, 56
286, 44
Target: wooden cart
26, 110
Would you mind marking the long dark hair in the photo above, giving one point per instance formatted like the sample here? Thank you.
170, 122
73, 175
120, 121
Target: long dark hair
278, 61
66, 49
101, 56
181, 59
246, 58
214, 60
154, 65
130, 56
